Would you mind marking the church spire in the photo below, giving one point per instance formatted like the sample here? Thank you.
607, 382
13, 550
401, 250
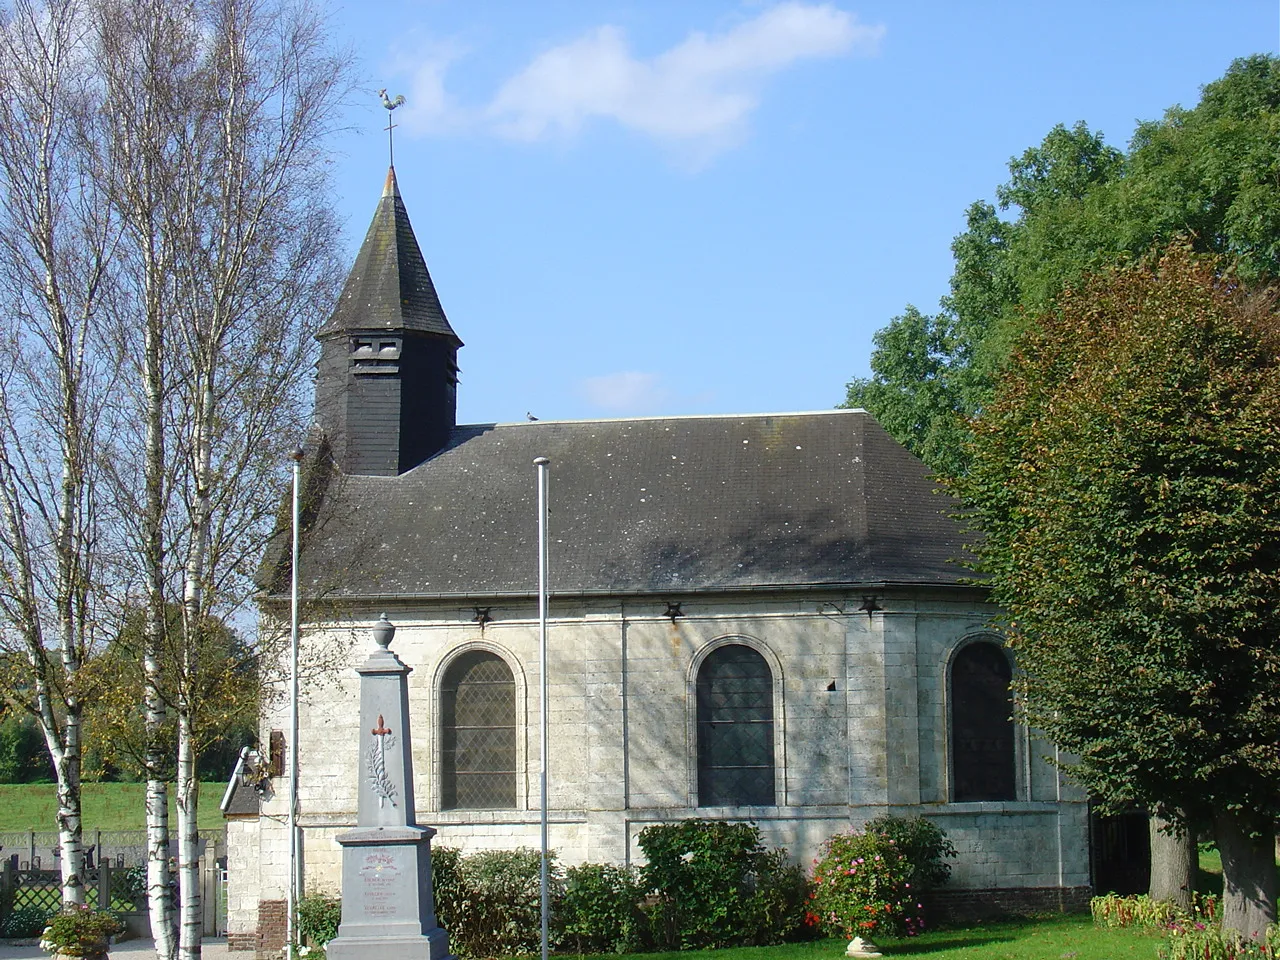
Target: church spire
389, 286
386, 383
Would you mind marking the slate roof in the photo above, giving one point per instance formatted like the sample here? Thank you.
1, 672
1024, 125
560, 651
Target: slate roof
389, 287
639, 506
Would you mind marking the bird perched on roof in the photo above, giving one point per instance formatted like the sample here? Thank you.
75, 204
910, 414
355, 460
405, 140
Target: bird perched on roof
529, 416
388, 102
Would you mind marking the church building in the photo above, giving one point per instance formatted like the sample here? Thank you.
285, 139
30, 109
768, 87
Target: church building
759, 617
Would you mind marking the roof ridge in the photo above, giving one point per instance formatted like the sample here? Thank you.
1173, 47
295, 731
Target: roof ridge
675, 416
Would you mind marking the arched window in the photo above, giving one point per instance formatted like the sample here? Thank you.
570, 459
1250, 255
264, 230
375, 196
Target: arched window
735, 729
478, 713
982, 752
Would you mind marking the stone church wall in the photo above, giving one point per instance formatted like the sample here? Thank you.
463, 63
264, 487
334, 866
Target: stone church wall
860, 725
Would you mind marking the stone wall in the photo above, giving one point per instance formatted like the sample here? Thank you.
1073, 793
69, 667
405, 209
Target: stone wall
860, 729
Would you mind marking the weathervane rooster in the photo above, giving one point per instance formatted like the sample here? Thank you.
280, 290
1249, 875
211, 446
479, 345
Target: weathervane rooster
390, 105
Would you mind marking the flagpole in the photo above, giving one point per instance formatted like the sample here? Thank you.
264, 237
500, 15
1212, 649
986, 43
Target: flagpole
291, 907
542, 464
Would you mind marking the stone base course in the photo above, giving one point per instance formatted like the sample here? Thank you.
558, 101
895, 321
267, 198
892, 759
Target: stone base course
941, 906
959, 906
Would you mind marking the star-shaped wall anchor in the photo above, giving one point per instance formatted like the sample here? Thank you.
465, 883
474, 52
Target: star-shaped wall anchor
482, 617
673, 611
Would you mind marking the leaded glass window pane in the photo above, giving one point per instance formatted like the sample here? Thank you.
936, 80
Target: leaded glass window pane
478, 706
735, 729
982, 753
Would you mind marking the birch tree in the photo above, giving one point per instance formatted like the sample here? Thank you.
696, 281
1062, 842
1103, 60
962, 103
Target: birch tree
143, 52
56, 237
219, 113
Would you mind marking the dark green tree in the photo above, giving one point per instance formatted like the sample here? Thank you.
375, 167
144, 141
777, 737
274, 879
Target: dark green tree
1210, 174
917, 350
1126, 474
22, 755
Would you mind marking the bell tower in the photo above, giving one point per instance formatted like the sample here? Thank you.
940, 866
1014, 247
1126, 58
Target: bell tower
386, 383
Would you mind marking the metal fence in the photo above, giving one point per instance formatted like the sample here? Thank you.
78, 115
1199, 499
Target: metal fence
36, 849
113, 888
30, 875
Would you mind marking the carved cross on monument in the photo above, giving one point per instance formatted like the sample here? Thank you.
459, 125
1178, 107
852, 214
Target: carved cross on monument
379, 779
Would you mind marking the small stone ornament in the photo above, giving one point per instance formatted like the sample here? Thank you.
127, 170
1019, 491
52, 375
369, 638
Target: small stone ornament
858, 947
383, 631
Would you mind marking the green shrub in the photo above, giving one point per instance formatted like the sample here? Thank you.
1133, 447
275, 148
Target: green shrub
446, 884
923, 843
80, 931
600, 912
862, 887
25, 922
499, 911
1113, 910
318, 918
778, 903
1199, 941
711, 884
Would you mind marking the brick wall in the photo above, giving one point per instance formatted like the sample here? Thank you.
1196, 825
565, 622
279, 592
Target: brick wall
967, 905
273, 923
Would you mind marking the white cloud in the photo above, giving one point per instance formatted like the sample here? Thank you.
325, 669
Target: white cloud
698, 95
627, 392
428, 108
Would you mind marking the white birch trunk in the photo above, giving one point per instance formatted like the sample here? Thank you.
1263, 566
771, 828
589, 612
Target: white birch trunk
191, 927
39, 100
193, 616
159, 888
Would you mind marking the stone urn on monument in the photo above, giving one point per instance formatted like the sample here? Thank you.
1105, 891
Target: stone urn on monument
387, 907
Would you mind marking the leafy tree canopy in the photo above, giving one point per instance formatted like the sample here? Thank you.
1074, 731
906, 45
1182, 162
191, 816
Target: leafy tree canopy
1210, 174
1126, 473
227, 683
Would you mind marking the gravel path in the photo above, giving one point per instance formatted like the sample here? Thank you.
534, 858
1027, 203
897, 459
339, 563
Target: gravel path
130, 948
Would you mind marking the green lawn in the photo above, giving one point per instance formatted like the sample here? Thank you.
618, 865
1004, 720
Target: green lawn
107, 806
1052, 938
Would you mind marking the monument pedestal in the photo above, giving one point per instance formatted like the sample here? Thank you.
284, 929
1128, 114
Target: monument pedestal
387, 907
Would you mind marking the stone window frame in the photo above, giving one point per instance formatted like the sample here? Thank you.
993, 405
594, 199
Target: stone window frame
1021, 735
524, 783
774, 664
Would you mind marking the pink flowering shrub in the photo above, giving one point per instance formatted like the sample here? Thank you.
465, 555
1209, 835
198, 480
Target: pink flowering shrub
862, 887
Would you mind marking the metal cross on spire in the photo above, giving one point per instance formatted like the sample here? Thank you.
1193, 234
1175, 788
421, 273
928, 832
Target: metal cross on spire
390, 105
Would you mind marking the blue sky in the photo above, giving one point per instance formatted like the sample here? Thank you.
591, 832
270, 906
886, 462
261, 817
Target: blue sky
657, 207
